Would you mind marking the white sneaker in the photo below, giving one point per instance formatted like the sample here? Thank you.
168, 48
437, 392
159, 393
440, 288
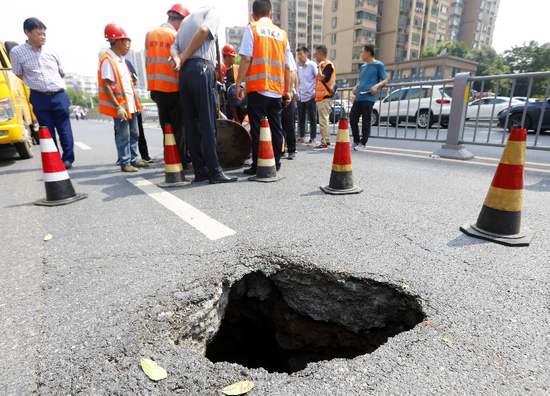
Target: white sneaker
359, 147
248, 161
353, 145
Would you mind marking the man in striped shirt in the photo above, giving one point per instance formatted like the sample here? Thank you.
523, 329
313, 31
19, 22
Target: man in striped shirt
41, 69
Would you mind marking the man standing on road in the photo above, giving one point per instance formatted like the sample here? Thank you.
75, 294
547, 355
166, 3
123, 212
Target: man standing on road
41, 69
117, 97
162, 81
323, 83
305, 96
372, 76
266, 62
288, 119
196, 39
229, 55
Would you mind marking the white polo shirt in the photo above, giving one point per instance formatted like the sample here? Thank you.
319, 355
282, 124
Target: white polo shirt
108, 73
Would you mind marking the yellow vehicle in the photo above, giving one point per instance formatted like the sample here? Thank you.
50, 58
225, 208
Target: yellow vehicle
17, 121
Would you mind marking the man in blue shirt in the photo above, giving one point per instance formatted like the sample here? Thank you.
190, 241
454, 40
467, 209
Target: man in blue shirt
371, 78
306, 88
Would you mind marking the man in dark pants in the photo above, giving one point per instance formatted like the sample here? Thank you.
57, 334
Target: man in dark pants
306, 88
288, 120
266, 63
40, 68
198, 90
372, 76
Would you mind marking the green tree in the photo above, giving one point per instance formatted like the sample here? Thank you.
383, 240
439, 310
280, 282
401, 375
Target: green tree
75, 97
529, 58
490, 64
458, 49
429, 52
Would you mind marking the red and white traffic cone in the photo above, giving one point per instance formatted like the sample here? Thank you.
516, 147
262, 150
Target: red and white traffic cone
174, 175
59, 189
266, 171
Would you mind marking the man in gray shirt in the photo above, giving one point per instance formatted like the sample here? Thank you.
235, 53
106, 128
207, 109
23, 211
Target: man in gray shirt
194, 53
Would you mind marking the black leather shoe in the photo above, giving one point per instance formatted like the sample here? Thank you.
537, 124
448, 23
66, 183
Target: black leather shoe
201, 178
291, 156
250, 171
222, 178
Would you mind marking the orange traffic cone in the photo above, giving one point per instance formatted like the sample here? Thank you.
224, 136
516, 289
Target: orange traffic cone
500, 217
341, 178
59, 189
173, 169
267, 171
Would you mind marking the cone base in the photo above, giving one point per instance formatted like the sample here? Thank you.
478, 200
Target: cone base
522, 239
266, 179
175, 184
332, 191
45, 202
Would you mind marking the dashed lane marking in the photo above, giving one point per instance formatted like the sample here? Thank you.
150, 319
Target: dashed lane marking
82, 146
211, 228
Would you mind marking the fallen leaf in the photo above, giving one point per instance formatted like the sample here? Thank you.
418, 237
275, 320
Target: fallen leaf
448, 342
48, 237
152, 369
247, 217
297, 244
405, 286
238, 388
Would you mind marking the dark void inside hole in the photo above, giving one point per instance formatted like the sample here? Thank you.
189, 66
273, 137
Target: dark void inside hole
268, 333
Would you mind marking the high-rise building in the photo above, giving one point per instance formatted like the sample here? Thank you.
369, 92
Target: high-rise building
401, 29
302, 20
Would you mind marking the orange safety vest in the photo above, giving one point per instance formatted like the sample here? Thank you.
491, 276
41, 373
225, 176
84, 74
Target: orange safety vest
105, 105
267, 69
320, 90
160, 76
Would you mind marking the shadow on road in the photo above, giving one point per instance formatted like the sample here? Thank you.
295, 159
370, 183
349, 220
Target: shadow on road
465, 240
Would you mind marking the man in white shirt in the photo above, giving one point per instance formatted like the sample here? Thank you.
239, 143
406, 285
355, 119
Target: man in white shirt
117, 97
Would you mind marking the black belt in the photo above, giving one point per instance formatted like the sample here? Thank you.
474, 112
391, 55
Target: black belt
48, 93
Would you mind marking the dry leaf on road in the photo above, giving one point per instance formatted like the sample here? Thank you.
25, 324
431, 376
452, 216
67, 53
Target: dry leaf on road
152, 369
238, 388
48, 237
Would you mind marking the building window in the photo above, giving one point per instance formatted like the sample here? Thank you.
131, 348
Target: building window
301, 25
431, 42
421, 72
443, 24
417, 22
356, 54
318, 7
335, 4
355, 67
438, 71
414, 54
432, 27
363, 34
332, 54
302, 4
364, 15
399, 56
435, 12
402, 22
291, 15
291, 25
454, 71
392, 75
317, 28
413, 73
333, 38
402, 38
318, 17
415, 38
301, 35
302, 15
317, 38
444, 10
291, 4
334, 21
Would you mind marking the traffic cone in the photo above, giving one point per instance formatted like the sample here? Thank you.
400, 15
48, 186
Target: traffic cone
59, 189
341, 178
500, 217
267, 171
173, 169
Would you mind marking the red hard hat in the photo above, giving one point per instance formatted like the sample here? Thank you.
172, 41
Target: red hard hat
224, 69
180, 9
114, 31
228, 49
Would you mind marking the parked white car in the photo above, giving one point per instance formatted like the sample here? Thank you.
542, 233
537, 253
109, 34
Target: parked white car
424, 105
489, 108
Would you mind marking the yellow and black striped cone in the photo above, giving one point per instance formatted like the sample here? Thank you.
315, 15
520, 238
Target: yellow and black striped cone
173, 170
500, 217
266, 171
59, 189
341, 178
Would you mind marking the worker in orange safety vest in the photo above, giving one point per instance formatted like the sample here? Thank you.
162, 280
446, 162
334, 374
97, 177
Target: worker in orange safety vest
229, 56
117, 97
162, 81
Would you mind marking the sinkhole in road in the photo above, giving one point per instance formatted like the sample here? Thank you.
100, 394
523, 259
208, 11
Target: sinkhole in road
283, 321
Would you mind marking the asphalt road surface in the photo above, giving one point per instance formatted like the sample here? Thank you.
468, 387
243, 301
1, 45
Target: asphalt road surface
130, 269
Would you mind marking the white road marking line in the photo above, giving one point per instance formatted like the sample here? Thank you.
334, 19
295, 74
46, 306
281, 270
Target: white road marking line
208, 226
83, 146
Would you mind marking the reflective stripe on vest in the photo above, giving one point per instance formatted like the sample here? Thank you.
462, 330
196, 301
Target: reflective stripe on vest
320, 90
160, 76
105, 105
267, 69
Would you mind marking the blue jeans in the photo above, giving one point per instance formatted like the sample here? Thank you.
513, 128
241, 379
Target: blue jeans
126, 138
53, 111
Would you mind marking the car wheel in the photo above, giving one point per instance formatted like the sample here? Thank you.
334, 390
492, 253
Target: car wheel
515, 121
424, 119
374, 118
24, 148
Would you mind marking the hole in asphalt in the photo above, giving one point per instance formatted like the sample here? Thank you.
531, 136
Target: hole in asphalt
286, 320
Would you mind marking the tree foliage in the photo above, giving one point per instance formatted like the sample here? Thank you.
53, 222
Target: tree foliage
529, 58
75, 98
429, 52
490, 64
458, 49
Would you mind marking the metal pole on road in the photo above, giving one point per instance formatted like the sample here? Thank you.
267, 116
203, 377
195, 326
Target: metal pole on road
453, 147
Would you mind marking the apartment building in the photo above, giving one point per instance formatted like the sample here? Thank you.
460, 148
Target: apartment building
402, 29
234, 36
81, 84
302, 20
